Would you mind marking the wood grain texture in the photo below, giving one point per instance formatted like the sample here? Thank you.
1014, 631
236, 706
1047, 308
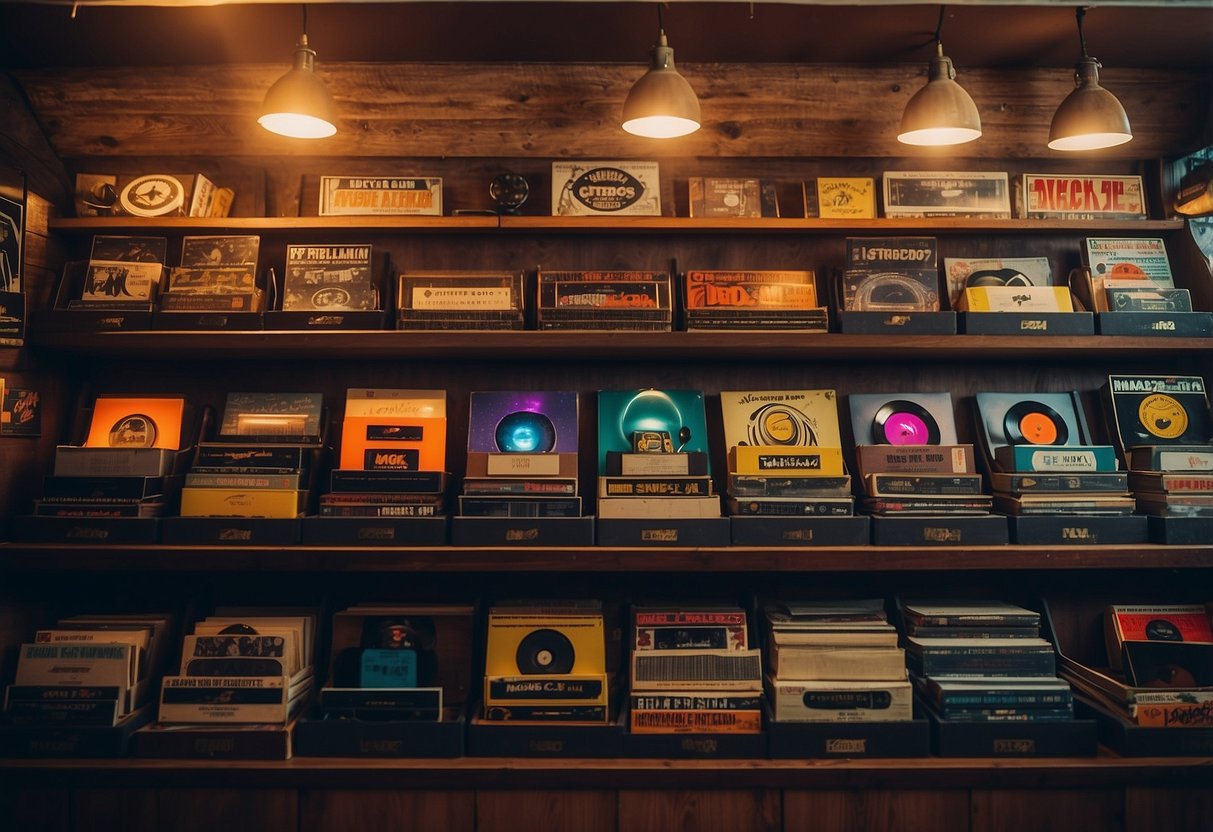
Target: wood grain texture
509, 811
1147, 810
205, 810
1047, 810
723, 810
876, 810
571, 110
34, 809
332, 810
104, 810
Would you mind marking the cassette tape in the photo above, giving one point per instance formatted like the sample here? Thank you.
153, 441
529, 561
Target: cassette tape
903, 419
697, 670
522, 643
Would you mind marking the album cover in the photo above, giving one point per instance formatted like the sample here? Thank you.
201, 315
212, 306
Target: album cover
527, 422
711, 196
214, 251
902, 418
380, 195
891, 274
284, 416
136, 422
605, 189
962, 272
111, 249
22, 412
843, 197
743, 291
1030, 419
135, 282
1124, 263
410, 422
1016, 299
328, 277
1158, 410
239, 280
798, 418
1070, 196
947, 194
678, 414
12, 229
460, 300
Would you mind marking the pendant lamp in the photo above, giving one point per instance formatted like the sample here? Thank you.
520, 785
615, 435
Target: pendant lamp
941, 113
298, 105
661, 105
1090, 117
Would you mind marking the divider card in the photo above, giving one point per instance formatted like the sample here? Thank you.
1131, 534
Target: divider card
408, 423
795, 418
523, 422
678, 413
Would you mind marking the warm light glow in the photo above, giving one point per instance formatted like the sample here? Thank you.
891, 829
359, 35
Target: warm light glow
297, 126
939, 136
661, 127
1090, 141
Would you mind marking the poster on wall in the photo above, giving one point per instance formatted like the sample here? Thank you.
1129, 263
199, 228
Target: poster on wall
12, 241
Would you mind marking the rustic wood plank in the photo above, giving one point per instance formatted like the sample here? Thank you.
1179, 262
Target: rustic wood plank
1051, 810
515, 811
725, 810
102, 810
570, 110
205, 810
334, 810
35, 809
1162, 808
23, 144
876, 810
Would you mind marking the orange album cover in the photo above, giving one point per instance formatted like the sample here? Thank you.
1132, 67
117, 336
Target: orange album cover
136, 422
403, 443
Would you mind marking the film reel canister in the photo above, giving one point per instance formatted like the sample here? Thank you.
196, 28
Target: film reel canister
525, 432
904, 423
545, 651
1033, 423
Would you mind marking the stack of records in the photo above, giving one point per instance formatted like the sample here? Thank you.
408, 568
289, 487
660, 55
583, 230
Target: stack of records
393, 456
1036, 446
911, 464
522, 456
983, 661
123, 273
1165, 431
217, 274
653, 456
693, 672
261, 464
835, 662
460, 300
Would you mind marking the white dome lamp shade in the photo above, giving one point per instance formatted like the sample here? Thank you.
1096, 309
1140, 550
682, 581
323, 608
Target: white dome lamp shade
298, 105
1090, 117
661, 104
941, 113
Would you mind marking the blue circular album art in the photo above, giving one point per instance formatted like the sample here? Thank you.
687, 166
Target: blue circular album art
525, 432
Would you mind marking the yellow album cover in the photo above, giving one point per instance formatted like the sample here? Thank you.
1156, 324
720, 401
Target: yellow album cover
846, 197
136, 422
785, 418
1016, 299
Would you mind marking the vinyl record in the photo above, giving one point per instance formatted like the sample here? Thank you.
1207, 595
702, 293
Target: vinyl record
154, 195
902, 422
1162, 416
1034, 423
780, 424
133, 431
525, 432
545, 651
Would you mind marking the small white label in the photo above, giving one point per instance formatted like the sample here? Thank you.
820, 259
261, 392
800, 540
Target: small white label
1184, 461
523, 465
1063, 461
652, 465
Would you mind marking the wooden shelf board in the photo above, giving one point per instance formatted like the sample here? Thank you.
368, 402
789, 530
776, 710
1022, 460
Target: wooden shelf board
611, 345
157, 558
625, 225
1106, 769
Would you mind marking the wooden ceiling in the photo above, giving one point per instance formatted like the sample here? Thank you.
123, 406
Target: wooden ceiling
38, 35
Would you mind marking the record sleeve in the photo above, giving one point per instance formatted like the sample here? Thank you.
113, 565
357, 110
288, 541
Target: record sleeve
798, 418
902, 419
678, 413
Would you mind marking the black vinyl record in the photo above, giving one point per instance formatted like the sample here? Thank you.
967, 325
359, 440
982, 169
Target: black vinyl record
1034, 423
902, 422
545, 651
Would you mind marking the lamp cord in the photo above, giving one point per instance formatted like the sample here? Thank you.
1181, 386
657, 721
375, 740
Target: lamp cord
304, 5
1079, 13
660, 21
939, 25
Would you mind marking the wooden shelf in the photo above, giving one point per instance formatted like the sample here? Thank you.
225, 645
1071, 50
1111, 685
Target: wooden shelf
623, 225
157, 558
1105, 770
608, 346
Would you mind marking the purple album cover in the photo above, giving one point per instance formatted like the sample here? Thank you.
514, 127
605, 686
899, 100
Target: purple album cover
525, 422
